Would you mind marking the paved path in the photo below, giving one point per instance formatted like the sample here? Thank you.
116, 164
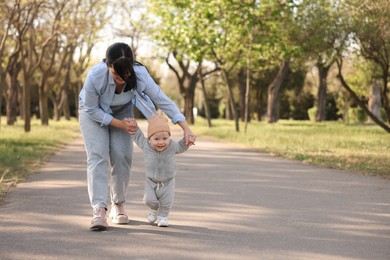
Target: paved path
231, 203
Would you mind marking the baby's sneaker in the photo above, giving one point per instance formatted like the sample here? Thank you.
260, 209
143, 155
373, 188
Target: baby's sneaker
162, 222
152, 216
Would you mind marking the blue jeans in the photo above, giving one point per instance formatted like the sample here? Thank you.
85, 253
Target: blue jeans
109, 157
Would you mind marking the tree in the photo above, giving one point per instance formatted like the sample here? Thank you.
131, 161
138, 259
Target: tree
273, 92
16, 27
370, 27
133, 25
53, 17
355, 97
30, 58
81, 27
8, 11
320, 35
46, 46
182, 32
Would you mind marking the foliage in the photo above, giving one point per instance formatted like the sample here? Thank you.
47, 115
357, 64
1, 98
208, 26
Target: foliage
356, 115
318, 29
360, 73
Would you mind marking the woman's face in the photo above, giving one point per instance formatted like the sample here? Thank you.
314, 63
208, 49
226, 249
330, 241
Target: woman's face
159, 141
118, 79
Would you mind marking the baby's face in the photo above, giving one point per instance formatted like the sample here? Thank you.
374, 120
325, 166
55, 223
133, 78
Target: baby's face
159, 141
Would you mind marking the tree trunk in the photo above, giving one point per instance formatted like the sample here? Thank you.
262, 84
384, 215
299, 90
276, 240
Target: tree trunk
247, 92
206, 100
321, 94
242, 90
2, 84
189, 95
231, 100
188, 105
228, 109
55, 107
43, 102
12, 99
27, 105
13, 91
374, 102
273, 93
258, 105
385, 93
186, 91
65, 93
63, 106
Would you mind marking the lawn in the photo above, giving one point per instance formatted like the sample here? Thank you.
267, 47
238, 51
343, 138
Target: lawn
22, 153
363, 149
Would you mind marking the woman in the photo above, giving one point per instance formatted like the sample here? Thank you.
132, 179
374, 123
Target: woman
106, 102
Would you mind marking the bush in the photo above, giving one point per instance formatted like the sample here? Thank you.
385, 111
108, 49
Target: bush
356, 115
383, 114
311, 112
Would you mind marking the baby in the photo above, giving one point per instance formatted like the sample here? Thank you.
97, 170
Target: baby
160, 167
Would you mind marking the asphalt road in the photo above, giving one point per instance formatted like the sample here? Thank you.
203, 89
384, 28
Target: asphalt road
230, 203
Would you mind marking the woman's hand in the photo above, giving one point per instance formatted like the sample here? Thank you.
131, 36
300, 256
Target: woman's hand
127, 124
133, 126
189, 136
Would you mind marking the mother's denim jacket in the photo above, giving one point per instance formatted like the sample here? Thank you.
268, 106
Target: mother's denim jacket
99, 90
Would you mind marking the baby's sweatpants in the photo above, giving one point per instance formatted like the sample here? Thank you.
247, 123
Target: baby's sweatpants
159, 196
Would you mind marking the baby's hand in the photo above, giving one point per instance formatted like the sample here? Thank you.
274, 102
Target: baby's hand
191, 140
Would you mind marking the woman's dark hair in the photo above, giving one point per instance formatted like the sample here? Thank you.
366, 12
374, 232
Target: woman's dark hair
119, 56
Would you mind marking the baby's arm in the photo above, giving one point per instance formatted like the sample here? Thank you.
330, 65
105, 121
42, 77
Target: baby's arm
138, 135
181, 146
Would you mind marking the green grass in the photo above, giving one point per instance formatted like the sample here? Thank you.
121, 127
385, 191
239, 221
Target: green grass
23, 153
363, 149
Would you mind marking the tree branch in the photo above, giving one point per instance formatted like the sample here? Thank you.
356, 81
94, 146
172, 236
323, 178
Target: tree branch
358, 101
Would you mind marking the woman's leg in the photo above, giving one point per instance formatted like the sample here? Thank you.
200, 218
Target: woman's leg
121, 151
121, 154
96, 141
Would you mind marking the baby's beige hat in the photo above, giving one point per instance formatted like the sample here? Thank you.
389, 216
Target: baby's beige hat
158, 124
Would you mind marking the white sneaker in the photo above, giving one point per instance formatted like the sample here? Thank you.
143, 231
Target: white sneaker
162, 222
118, 214
98, 221
152, 216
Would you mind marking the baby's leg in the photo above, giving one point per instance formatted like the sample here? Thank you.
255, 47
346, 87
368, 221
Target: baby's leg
166, 196
150, 196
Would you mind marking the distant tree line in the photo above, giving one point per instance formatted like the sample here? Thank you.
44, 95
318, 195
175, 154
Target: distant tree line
44, 50
242, 60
